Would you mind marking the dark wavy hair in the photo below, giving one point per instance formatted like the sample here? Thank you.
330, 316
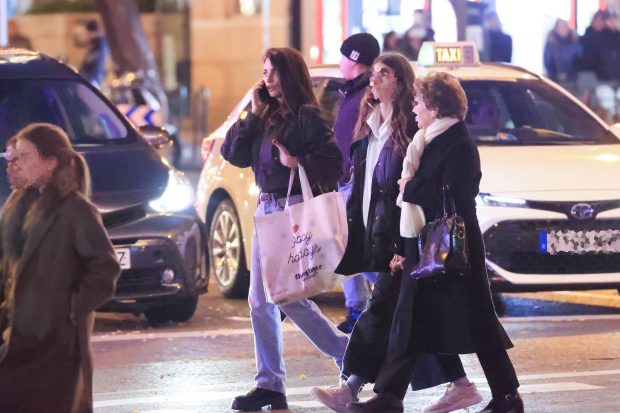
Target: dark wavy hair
294, 79
402, 102
442, 92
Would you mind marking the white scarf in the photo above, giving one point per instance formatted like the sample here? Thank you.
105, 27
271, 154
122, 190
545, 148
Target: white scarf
412, 216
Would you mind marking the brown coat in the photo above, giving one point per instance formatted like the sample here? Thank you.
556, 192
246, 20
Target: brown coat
59, 270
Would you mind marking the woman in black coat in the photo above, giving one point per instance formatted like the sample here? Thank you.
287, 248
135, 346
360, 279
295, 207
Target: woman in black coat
383, 133
455, 314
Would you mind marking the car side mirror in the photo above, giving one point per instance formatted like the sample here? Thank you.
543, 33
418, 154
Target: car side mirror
615, 129
156, 136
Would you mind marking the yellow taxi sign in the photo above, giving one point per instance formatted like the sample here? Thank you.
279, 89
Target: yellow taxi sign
448, 54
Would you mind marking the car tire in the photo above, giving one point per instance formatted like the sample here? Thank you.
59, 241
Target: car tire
180, 311
226, 251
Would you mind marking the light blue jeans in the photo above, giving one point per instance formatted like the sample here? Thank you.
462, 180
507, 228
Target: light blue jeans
266, 324
355, 288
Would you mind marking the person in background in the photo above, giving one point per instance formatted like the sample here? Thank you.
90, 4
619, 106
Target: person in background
497, 44
561, 55
16, 38
453, 314
420, 32
601, 47
358, 53
93, 65
57, 266
390, 42
283, 129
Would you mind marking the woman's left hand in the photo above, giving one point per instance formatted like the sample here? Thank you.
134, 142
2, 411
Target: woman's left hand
396, 264
285, 157
401, 184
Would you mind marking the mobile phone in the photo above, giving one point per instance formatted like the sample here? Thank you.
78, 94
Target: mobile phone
263, 94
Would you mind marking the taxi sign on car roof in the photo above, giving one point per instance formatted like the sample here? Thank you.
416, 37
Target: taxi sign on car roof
448, 54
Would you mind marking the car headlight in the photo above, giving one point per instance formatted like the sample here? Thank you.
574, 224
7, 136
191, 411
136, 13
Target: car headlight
177, 196
500, 201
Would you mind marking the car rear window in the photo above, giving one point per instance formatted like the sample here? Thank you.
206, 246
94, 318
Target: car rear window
66, 103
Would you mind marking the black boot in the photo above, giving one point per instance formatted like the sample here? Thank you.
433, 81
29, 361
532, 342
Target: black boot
258, 398
347, 325
510, 403
381, 403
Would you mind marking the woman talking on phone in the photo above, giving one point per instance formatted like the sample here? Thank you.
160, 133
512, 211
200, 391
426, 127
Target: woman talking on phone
284, 129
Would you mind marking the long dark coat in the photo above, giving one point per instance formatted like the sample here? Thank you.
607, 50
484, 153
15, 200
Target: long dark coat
55, 275
454, 315
371, 247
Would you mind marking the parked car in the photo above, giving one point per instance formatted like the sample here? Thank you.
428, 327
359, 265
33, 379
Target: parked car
549, 202
146, 205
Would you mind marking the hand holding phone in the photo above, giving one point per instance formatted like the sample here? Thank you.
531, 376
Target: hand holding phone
263, 94
258, 99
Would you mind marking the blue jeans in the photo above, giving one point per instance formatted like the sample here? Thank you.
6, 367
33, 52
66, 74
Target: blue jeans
266, 324
356, 290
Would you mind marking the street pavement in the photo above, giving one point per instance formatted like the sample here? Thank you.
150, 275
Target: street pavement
567, 355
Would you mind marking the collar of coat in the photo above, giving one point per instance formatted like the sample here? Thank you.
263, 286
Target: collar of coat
351, 86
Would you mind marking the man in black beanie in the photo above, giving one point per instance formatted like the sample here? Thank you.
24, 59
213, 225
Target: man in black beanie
358, 53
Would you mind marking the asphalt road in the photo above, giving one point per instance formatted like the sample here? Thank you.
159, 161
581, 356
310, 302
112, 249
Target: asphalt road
567, 355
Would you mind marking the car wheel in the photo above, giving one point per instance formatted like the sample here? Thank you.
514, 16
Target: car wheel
226, 252
180, 311
158, 315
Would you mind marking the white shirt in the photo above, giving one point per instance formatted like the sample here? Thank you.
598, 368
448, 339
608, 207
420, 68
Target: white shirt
380, 134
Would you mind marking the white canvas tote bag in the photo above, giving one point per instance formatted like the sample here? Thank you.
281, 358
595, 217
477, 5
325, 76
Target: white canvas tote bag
300, 247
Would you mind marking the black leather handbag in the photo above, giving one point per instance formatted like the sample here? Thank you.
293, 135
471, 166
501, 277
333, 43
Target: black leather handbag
443, 244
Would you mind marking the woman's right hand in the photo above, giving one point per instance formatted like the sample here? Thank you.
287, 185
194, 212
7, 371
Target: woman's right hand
257, 103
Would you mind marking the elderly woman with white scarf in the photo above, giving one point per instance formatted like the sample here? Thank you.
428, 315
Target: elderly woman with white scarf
451, 315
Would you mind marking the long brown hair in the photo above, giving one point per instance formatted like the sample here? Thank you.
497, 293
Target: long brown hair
72, 173
401, 102
294, 79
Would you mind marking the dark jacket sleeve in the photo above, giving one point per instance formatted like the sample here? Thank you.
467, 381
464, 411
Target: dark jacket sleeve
461, 174
322, 158
101, 269
423, 192
237, 147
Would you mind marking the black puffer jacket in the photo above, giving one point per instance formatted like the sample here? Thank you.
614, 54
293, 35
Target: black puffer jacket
372, 248
305, 135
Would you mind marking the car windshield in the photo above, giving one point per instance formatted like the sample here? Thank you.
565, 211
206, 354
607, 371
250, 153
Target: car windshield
66, 103
518, 112
528, 112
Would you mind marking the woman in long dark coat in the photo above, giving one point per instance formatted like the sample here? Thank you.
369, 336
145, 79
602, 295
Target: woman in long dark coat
453, 315
57, 266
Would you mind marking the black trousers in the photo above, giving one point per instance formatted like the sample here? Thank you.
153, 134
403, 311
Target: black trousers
498, 369
367, 346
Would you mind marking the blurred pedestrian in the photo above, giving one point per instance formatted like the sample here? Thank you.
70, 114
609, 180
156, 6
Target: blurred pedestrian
283, 129
419, 32
561, 55
57, 267
455, 314
93, 65
601, 47
358, 53
497, 44
16, 38
390, 42
382, 131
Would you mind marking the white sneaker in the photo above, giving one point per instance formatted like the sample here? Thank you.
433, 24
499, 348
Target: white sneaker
335, 397
455, 397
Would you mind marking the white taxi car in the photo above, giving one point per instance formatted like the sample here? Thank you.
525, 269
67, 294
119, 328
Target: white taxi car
549, 202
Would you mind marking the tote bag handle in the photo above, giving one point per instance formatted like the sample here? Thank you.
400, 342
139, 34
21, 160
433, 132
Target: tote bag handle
306, 190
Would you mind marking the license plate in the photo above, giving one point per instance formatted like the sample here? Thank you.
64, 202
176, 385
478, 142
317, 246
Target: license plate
579, 242
123, 255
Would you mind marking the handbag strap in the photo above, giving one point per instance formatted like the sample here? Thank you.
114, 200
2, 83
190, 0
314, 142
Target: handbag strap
447, 200
306, 190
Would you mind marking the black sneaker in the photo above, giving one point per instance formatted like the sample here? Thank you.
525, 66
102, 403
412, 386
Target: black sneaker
258, 398
510, 403
347, 325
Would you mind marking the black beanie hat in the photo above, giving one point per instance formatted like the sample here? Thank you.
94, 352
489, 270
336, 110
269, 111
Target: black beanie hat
361, 48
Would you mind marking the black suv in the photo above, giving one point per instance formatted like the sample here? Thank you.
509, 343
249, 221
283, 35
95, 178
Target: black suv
147, 206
